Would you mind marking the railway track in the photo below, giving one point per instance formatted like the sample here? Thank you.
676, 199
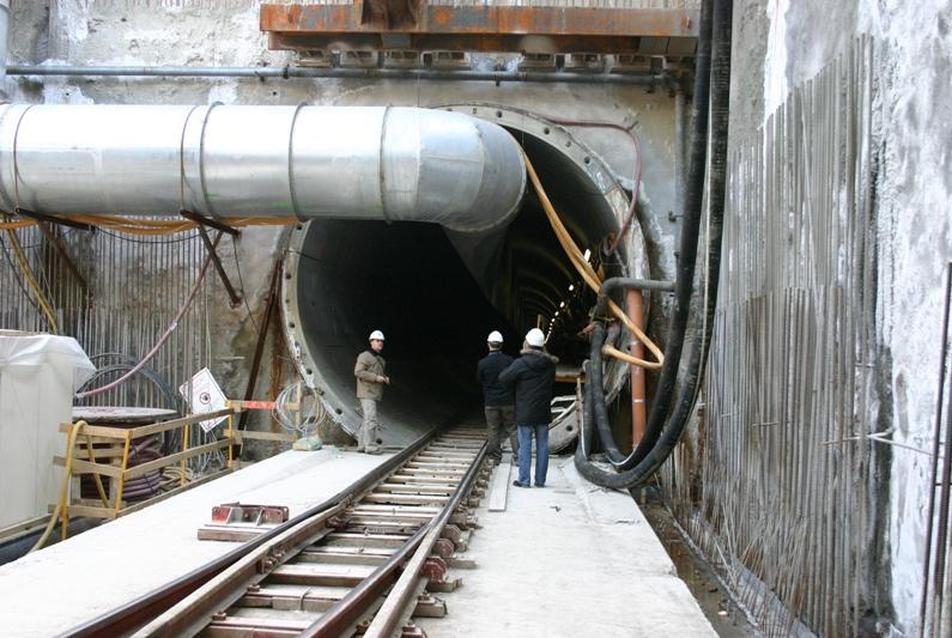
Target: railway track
362, 563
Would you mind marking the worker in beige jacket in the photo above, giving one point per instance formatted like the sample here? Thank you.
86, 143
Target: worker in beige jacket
370, 372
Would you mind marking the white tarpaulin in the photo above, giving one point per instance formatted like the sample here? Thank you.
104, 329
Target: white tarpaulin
39, 374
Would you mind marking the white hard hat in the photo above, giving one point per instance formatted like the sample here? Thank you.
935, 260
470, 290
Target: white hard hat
376, 335
535, 338
494, 337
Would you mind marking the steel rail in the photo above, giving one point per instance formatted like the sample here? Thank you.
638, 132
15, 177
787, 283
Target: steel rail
337, 620
388, 617
144, 609
189, 616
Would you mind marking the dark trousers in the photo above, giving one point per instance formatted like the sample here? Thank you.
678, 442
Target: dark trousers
500, 421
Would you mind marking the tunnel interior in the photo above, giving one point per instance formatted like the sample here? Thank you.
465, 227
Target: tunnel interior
408, 280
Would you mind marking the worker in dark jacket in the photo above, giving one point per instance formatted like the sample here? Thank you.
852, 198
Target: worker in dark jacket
532, 376
498, 401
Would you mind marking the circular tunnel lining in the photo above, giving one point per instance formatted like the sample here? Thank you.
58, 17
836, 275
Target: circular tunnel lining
421, 287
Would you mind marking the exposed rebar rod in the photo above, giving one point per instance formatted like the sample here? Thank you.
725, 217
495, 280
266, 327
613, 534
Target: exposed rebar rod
930, 622
165, 335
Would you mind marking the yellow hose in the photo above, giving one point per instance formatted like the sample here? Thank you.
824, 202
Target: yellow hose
16, 225
64, 486
92, 459
140, 226
589, 276
31, 280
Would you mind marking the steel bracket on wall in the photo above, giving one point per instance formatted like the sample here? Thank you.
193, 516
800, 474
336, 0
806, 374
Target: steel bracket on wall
62, 221
206, 222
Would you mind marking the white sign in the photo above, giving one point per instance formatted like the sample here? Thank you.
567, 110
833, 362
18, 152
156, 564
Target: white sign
203, 395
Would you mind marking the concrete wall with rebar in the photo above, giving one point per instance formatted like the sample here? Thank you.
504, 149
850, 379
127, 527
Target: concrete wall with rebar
806, 477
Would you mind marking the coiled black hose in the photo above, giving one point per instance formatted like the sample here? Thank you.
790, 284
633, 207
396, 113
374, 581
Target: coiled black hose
690, 230
615, 456
596, 380
717, 14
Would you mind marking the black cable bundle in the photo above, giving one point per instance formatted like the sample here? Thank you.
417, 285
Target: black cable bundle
666, 423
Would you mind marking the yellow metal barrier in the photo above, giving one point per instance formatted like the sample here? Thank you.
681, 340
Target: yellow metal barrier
105, 451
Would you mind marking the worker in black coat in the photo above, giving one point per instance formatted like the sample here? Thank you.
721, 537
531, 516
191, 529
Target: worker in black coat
498, 400
532, 377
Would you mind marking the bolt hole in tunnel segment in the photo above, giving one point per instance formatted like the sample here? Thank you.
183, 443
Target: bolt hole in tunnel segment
436, 294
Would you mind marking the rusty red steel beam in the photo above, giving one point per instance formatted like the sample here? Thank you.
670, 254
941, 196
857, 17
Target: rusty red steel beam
487, 20
528, 43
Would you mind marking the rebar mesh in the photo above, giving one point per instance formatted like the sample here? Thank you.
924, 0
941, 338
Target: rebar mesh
777, 485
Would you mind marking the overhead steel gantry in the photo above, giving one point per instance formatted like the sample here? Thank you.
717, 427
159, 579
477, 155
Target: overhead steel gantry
493, 27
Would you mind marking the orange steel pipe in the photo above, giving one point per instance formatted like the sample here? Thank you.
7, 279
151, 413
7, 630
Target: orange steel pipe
637, 373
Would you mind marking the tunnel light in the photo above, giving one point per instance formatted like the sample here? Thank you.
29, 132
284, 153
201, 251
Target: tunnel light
571, 287
562, 304
587, 255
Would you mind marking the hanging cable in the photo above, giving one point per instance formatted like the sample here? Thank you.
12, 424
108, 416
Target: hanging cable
30, 278
13, 268
717, 14
16, 224
589, 276
636, 179
690, 230
299, 409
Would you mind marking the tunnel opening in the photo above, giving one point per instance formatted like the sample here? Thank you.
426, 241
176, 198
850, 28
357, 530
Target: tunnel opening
346, 278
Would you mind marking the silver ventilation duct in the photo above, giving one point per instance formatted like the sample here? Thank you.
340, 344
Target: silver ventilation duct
394, 164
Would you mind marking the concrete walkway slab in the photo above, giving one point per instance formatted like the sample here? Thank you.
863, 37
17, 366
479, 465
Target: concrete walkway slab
568, 560
57, 588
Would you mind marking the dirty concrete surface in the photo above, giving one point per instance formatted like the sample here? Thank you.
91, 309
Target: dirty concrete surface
569, 559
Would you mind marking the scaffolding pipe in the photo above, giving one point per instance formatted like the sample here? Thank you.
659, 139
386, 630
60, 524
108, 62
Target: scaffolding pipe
340, 73
393, 164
